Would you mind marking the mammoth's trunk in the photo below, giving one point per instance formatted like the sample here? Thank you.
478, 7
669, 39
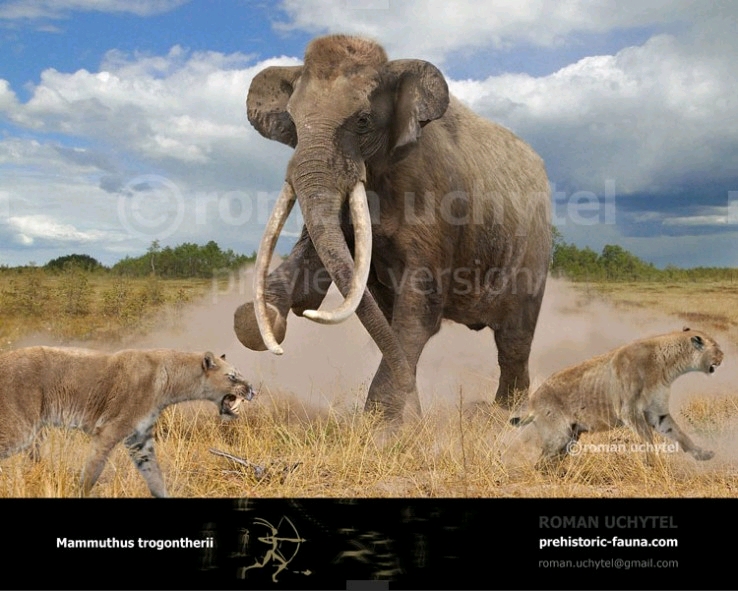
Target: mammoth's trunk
321, 209
331, 247
322, 215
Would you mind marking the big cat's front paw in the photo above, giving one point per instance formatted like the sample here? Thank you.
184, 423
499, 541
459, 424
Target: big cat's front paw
703, 454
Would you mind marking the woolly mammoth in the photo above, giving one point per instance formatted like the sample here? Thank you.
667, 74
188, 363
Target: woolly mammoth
415, 207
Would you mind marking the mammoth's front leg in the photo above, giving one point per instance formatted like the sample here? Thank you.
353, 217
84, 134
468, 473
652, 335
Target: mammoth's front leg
416, 317
140, 445
299, 283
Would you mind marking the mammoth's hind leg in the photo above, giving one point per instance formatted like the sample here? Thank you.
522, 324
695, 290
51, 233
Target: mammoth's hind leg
140, 447
513, 350
514, 338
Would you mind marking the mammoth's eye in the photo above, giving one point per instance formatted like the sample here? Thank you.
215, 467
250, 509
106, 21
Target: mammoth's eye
363, 121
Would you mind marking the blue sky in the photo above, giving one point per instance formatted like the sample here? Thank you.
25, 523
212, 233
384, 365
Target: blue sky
123, 122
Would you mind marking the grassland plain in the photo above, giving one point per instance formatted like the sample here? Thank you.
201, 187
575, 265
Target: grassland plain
304, 436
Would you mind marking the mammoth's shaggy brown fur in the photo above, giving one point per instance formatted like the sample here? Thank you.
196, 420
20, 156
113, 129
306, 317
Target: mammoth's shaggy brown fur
111, 396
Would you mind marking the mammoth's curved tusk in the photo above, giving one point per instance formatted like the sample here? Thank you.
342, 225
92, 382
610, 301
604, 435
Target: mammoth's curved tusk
281, 211
362, 260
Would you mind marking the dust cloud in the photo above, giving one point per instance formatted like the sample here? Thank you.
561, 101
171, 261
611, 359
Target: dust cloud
333, 365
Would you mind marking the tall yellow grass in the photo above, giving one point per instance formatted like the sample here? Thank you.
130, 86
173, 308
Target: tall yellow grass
455, 450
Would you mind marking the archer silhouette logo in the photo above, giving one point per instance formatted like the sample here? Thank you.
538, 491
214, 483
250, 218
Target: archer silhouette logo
282, 545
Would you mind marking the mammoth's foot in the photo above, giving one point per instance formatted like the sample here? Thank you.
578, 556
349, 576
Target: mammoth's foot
247, 329
393, 407
510, 398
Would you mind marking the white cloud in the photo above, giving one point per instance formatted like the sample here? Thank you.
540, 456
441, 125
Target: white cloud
700, 216
44, 191
645, 118
180, 106
56, 199
29, 228
180, 117
430, 29
8, 99
34, 9
698, 220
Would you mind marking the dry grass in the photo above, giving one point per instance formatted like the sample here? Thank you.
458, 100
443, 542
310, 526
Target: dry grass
711, 305
456, 450
291, 452
88, 307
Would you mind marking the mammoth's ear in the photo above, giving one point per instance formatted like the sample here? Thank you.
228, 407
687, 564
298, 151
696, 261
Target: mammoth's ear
266, 103
208, 362
421, 95
698, 342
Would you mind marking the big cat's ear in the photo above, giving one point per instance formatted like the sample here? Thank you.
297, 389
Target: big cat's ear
421, 96
266, 103
208, 361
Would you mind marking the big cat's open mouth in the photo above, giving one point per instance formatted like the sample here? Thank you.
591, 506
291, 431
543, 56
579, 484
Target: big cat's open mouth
230, 405
713, 367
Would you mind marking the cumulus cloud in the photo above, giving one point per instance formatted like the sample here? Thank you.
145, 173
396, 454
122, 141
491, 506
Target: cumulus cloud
29, 156
35, 9
645, 118
181, 106
178, 119
29, 228
49, 205
431, 29
8, 99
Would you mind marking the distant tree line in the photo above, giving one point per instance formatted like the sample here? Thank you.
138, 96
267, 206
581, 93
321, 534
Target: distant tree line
615, 263
180, 262
189, 260
83, 262
183, 261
